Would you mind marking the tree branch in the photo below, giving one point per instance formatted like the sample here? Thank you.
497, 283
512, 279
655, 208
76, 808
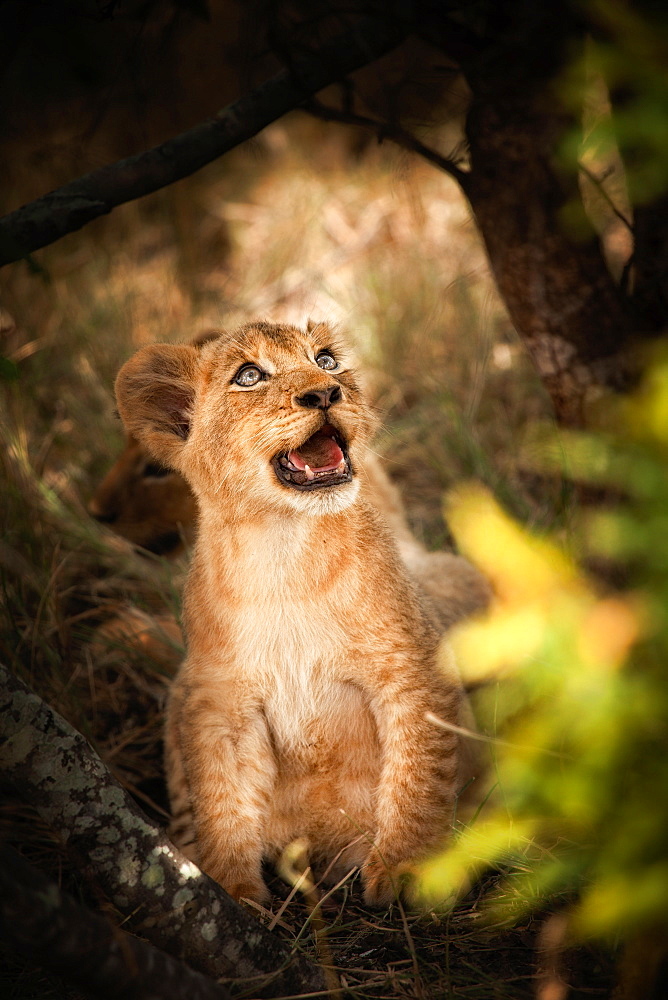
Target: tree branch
388, 130
166, 898
70, 207
47, 925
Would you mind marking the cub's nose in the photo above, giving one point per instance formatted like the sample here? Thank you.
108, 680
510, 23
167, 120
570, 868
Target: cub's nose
319, 399
101, 514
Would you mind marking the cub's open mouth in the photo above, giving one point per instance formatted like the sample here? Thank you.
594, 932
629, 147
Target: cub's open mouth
322, 460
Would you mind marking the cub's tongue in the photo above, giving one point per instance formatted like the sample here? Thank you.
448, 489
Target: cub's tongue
321, 453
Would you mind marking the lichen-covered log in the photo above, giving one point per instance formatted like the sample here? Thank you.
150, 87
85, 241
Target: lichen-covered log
167, 899
49, 927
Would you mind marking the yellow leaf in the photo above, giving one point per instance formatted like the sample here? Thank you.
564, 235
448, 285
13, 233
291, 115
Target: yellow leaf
608, 631
496, 644
519, 565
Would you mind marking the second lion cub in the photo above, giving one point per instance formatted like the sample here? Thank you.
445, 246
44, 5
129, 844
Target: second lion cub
300, 709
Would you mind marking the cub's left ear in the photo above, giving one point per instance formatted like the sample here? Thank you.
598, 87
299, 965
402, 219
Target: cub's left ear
155, 392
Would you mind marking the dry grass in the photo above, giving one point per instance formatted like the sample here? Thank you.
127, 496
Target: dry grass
282, 231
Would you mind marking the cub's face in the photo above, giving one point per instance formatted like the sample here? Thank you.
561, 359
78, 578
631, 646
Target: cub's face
267, 417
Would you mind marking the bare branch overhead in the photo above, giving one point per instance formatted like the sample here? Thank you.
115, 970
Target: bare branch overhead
72, 206
392, 131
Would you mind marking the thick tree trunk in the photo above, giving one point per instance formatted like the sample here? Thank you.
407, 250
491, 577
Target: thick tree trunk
544, 254
166, 898
556, 285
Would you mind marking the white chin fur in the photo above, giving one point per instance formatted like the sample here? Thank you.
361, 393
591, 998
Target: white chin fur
330, 500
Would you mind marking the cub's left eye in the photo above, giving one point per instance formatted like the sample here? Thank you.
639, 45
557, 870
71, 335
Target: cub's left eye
326, 361
249, 375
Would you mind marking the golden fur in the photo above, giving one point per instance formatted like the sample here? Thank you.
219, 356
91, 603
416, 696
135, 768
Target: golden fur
300, 709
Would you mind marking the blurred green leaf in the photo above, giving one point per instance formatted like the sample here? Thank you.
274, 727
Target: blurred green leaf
580, 699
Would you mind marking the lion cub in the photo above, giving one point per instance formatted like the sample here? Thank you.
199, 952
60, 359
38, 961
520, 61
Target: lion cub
300, 709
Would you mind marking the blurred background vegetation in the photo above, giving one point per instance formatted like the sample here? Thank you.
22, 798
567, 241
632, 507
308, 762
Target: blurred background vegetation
573, 676
556, 115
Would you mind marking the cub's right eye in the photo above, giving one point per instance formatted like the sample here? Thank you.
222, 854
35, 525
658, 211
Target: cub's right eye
248, 375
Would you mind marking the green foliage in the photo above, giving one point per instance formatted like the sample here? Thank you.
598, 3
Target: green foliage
617, 87
9, 372
575, 679
632, 58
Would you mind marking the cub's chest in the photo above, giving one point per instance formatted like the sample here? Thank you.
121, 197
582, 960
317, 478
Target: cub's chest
312, 713
295, 647
276, 633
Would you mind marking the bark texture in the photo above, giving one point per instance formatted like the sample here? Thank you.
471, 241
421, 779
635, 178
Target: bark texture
47, 925
543, 251
578, 325
166, 898
558, 291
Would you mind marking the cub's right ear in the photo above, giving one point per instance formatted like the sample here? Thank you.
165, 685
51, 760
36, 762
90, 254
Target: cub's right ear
155, 392
206, 336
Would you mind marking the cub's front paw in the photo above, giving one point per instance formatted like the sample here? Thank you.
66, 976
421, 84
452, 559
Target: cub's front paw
384, 882
240, 881
254, 890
